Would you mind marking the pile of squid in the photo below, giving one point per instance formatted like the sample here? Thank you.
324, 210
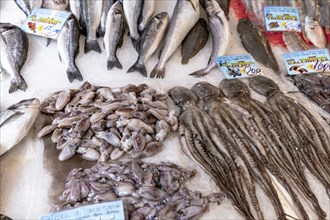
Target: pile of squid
243, 143
149, 191
103, 123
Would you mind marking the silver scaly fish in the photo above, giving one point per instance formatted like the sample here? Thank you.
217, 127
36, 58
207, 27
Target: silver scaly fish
114, 32
220, 32
68, 48
185, 16
14, 48
27, 6
150, 39
132, 10
147, 11
75, 8
105, 9
16, 121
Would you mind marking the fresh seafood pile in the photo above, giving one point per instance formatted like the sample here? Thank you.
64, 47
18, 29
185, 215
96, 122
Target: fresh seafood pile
150, 191
316, 87
103, 123
16, 121
14, 49
241, 142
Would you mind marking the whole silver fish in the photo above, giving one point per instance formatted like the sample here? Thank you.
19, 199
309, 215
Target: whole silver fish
105, 9
91, 16
147, 11
114, 32
14, 48
27, 6
220, 33
56, 4
150, 39
16, 121
132, 10
68, 48
294, 42
185, 16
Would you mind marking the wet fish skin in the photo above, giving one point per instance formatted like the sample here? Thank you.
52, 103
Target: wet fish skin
149, 41
16, 121
147, 11
256, 43
132, 11
68, 48
186, 14
114, 33
314, 32
91, 17
75, 8
14, 45
56, 4
105, 9
224, 5
27, 6
294, 42
220, 33
194, 41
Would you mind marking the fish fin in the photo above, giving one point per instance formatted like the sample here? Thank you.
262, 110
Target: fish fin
158, 73
185, 60
140, 68
114, 63
16, 84
74, 73
92, 45
199, 73
48, 42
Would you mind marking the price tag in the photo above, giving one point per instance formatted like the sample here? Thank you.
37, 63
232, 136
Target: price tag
45, 22
102, 211
309, 61
238, 66
282, 19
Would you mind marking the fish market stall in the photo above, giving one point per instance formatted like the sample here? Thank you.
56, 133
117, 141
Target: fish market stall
226, 147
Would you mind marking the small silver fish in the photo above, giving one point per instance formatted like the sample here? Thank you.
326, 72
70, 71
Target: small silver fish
68, 48
16, 121
113, 38
150, 39
14, 47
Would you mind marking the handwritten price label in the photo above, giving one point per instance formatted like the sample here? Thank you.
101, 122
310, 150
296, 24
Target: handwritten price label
45, 22
309, 61
282, 19
102, 211
238, 66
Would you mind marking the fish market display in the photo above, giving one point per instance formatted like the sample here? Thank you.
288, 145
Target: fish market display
316, 87
185, 15
16, 121
14, 50
114, 33
220, 33
132, 10
89, 20
55, 4
150, 191
103, 123
194, 41
105, 9
256, 43
147, 11
149, 41
27, 6
68, 48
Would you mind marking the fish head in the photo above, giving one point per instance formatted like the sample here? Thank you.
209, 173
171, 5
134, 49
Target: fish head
263, 85
205, 89
212, 7
183, 97
117, 9
26, 104
234, 88
163, 17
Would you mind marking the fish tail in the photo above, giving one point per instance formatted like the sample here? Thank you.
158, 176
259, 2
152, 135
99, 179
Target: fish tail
92, 45
114, 63
140, 68
74, 73
184, 60
199, 73
158, 73
16, 84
